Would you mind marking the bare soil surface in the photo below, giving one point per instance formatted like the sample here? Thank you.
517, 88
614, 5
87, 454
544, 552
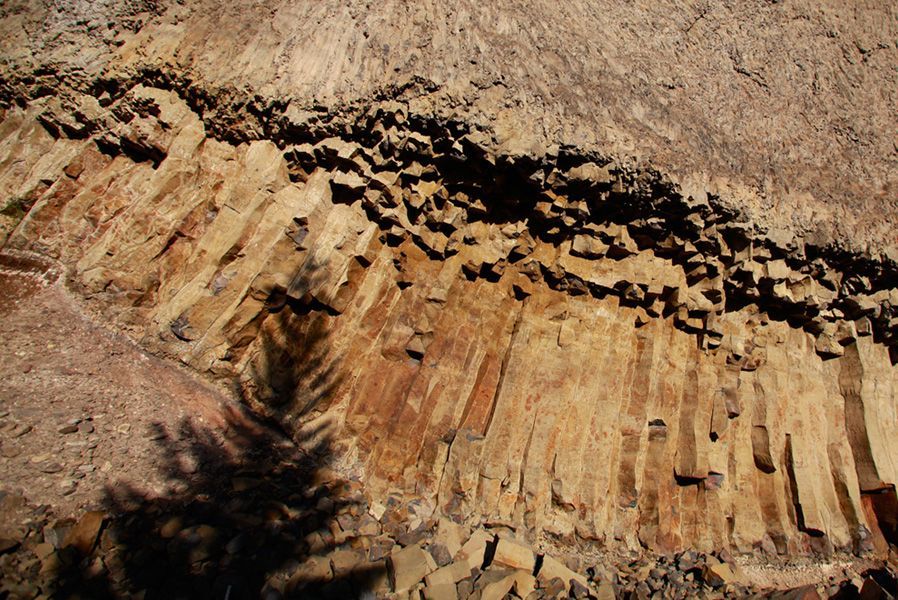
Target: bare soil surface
83, 408
123, 475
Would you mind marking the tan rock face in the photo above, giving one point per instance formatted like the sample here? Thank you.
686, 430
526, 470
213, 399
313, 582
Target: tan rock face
578, 348
788, 107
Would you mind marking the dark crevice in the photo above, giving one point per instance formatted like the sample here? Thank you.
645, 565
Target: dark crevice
489, 553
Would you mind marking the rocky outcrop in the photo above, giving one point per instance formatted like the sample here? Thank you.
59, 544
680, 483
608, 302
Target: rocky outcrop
790, 104
585, 349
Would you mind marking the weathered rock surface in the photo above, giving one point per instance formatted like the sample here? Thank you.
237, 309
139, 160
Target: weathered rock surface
584, 348
689, 381
786, 107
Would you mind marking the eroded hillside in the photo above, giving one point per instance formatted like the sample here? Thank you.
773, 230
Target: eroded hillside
609, 289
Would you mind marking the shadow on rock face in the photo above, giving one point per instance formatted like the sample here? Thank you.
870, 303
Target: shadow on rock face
293, 374
247, 512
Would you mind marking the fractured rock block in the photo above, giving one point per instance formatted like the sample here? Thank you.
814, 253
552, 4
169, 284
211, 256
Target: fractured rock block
453, 572
451, 535
514, 555
717, 573
552, 568
409, 566
828, 346
760, 442
587, 246
474, 550
497, 590
845, 333
316, 569
777, 270
590, 173
83, 535
348, 187
332, 149
442, 591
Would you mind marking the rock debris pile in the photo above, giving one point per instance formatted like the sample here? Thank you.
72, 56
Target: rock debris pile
340, 549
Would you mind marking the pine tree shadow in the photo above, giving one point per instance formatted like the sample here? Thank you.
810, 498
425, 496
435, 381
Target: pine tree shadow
294, 374
254, 511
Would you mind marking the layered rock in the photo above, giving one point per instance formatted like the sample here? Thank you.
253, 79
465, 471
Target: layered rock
562, 341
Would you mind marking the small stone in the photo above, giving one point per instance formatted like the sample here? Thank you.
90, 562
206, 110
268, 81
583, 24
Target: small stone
243, 484
236, 544
440, 554
65, 429
606, 591
85, 427
7, 544
54, 535
578, 590
555, 588
725, 556
380, 548
717, 575
325, 505
377, 510
10, 452
83, 536
316, 569
51, 468
686, 562
43, 550
465, 587
411, 538
443, 591
19, 430
200, 541
171, 528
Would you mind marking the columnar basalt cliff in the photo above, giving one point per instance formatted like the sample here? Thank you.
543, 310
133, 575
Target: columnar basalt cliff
591, 348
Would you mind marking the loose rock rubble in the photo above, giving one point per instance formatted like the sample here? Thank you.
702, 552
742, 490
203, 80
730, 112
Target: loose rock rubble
334, 548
